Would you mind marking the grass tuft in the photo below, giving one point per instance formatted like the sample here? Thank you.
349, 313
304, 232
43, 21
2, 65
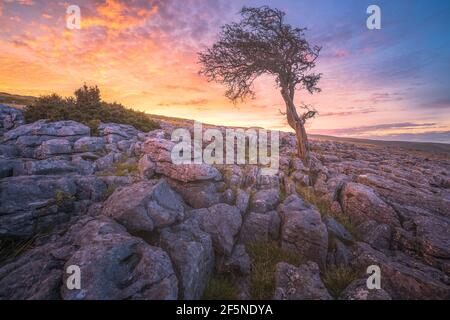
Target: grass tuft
220, 288
337, 279
264, 258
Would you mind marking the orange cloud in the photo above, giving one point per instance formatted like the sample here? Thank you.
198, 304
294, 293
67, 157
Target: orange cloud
117, 15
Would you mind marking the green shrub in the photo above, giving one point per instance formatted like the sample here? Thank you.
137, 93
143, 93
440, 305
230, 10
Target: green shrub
337, 279
62, 198
87, 108
220, 288
125, 169
264, 258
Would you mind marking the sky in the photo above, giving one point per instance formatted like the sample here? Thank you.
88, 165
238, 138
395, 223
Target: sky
390, 84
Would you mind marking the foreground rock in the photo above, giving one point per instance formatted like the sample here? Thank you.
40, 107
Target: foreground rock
144, 206
32, 204
302, 283
357, 290
117, 266
302, 230
192, 254
113, 264
403, 277
222, 222
361, 204
91, 201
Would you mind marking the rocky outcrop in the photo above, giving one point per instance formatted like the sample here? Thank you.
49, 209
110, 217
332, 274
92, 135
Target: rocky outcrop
403, 277
113, 265
142, 227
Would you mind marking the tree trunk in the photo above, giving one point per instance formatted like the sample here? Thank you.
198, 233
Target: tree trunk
296, 123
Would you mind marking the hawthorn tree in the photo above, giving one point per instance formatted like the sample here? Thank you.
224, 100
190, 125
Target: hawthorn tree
263, 43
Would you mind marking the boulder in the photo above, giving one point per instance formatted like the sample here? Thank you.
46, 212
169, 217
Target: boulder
114, 132
433, 240
49, 167
89, 144
255, 228
361, 203
242, 200
144, 206
299, 283
10, 118
146, 167
70, 130
238, 264
53, 147
223, 223
117, 266
36, 274
264, 200
357, 290
192, 254
302, 230
10, 167
338, 253
337, 229
403, 277
378, 235
159, 151
31, 204
199, 194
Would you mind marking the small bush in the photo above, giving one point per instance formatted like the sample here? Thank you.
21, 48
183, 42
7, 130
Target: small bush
264, 258
87, 108
337, 279
220, 288
63, 198
124, 169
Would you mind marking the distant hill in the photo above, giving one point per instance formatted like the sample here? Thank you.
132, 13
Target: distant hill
440, 149
16, 100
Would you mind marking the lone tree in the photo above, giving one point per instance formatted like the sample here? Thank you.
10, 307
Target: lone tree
263, 43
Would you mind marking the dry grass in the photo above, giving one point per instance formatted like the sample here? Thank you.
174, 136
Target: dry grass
337, 279
220, 288
264, 258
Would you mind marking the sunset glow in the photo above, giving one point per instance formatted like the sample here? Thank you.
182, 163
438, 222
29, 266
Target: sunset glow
391, 83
